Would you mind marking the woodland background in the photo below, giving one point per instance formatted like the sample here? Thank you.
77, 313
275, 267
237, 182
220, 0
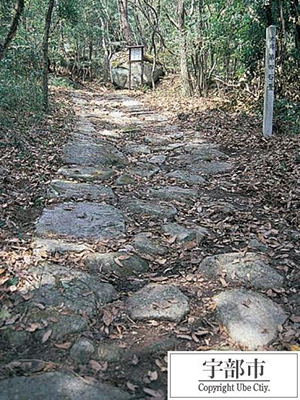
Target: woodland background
215, 45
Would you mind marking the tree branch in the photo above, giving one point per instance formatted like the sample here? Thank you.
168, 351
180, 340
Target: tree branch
13, 28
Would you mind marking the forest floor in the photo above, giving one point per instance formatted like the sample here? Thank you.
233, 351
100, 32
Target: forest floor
138, 224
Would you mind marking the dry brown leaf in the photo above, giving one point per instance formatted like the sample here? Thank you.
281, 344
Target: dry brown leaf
195, 339
153, 393
46, 335
107, 318
172, 239
159, 279
34, 327
131, 386
124, 257
95, 365
12, 320
40, 306
186, 337
153, 375
295, 318
201, 333
27, 296
223, 282
160, 365
293, 347
63, 346
118, 262
135, 360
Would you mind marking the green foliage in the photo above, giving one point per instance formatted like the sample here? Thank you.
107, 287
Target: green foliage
287, 116
68, 10
19, 87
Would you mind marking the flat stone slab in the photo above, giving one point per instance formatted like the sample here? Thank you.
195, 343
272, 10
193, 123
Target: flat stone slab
136, 149
148, 245
158, 159
173, 146
77, 290
157, 140
183, 234
85, 126
63, 300
72, 190
207, 153
90, 154
118, 263
86, 173
175, 193
212, 168
186, 177
53, 246
251, 269
196, 164
144, 170
250, 318
158, 302
200, 145
124, 180
150, 208
82, 351
57, 386
81, 220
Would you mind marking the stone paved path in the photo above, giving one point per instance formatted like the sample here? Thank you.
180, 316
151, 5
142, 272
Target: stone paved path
122, 201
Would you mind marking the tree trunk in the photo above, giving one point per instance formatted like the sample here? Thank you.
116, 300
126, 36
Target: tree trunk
184, 72
45, 54
269, 16
126, 32
13, 29
296, 14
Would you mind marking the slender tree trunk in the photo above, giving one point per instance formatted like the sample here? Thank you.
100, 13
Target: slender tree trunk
126, 32
13, 28
269, 16
296, 14
185, 78
45, 55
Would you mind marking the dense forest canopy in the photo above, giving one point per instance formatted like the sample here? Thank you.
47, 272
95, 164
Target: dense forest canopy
210, 42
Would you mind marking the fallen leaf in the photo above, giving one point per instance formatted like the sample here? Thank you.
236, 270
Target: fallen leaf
135, 360
27, 296
12, 320
153, 393
34, 326
118, 262
53, 319
186, 337
46, 335
223, 282
153, 375
295, 318
124, 257
96, 366
160, 365
107, 317
293, 347
63, 346
131, 386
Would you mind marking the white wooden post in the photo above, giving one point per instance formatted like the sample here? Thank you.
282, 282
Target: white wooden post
269, 80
